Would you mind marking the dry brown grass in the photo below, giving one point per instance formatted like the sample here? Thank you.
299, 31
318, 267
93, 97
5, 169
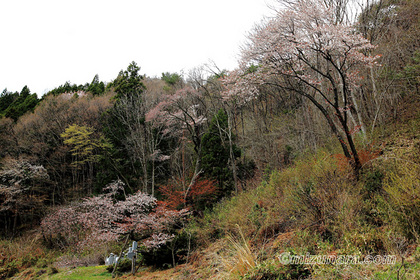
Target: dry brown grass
240, 258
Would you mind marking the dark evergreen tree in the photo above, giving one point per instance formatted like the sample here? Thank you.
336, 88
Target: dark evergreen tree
216, 153
121, 164
17, 103
129, 82
6, 99
67, 87
171, 78
96, 87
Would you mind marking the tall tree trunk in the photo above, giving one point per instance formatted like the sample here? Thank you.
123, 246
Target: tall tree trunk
197, 169
355, 156
197, 172
153, 178
231, 154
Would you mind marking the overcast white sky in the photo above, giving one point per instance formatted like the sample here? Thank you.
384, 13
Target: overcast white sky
45, 43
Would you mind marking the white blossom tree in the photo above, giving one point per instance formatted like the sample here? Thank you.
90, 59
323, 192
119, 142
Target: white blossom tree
306, 51
22, 193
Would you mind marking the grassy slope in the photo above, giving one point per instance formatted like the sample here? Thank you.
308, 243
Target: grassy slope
314, 206
317, 207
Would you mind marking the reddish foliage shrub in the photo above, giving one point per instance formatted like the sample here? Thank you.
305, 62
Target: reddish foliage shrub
201, 195
365, 156
368, 154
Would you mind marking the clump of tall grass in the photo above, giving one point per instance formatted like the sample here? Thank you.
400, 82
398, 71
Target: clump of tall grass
241, 258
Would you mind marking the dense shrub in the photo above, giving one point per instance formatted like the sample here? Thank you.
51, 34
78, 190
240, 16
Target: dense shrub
274, 270
403, 199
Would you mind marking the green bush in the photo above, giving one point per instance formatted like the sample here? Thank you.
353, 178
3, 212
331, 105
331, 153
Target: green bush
122, 267
373, 182
403, 199
52, 270
9, 270
321, 196
272, 269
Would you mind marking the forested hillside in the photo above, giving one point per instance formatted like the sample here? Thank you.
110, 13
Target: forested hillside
310, 147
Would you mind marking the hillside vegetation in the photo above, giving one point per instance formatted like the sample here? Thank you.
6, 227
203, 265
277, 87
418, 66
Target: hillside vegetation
307, 153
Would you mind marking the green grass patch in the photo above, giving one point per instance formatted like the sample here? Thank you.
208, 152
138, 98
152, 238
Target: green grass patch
90, 272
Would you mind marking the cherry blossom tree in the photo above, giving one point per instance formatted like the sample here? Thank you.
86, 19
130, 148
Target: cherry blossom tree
23, 192
104, 218
306, 51
181, 115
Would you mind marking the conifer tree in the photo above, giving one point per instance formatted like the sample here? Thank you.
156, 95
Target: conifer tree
216, 152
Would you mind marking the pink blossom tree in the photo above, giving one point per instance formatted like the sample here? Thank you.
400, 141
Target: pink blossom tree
103, 218
181, 115
306, 51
